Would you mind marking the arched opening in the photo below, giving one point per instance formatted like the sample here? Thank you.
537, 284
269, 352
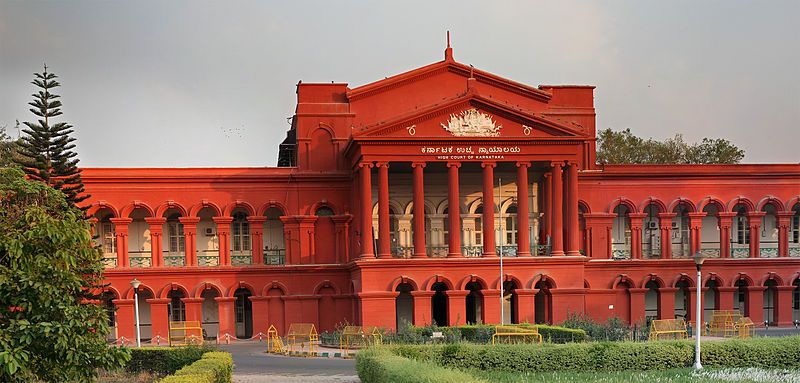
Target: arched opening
404, 306
794, 232
207, 238
274, 244
651, 234
740, 301
243, 312
652, 305
210, 313
740, 232
510, 304
107, 299
324, 237
621, 233
439, 304
768, 241
770, 301
681, 233
320, 152
543, 302
327, 309
796, 300
174, 246
683, 306
105, 237
241, 243
710, 298
139, 239
623, 301
709, 236
582, 226
176, 308
474, 303
145, 317
510, 233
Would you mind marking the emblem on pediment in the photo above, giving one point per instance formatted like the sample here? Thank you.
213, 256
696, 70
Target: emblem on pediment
472, 123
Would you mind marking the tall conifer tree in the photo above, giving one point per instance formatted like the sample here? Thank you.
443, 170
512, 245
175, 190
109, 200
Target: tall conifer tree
45, 151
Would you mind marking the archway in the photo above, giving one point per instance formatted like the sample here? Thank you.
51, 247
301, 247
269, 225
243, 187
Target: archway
770, 300
107, 299
651, 233
740, 298
324, 237
768, 241
681, 247
210, 313
652, 304
621, 233
140, 249
582, 227
404, 306
740, 232
145, 316
274, 244
474, 303
710, 236
207, 238
243, 312
174, 243
105, 237
794, 232
176, 308
439, 304
241, 243
683, 307
543, 302
710, 298
510, 303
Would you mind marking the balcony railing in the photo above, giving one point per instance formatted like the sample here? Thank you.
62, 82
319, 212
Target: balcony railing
109, 261
507, 250
620, 253
174, 259
710, 252
740, 252
437, 251
274, 256
543, 250
794, 251
768, 252
402, 251
208, 258
241, 258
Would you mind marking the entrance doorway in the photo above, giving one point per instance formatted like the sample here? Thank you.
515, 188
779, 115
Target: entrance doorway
439, 304
243, 309
474, 303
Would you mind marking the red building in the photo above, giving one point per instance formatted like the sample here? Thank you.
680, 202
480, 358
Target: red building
356, 222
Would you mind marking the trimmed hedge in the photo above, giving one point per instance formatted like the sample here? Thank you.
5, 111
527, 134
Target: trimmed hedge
378, 365
213, 367
163, 360
482, 333
608, 356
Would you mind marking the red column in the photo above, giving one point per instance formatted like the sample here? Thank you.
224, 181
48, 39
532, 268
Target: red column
121, 232
598, 234
257, 238
489, 249
260, 314
189, 233
342, 225
755, 304
156, 226
422, 307
665, 223
548, 208
557, 210
126, 320
637, 305
696, 228
666, 302
523, 211
194, 308
420, 250
491, 306
725, 219
636, 234
365, 172
457, 307
453, 210
573, 229
783, 305
227, 322
726, 296
783, 219
754, 221
525, 305
159, 317
384, 236
223, 233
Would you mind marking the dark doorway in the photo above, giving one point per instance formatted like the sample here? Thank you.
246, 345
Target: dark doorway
474, 303
404, 306
510, 314
740, 301
243, 309
439, 304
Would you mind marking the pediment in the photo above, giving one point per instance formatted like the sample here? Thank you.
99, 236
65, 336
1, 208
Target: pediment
471, 117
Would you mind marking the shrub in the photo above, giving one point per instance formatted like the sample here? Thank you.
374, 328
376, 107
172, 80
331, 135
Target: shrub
378, 365
164, 360
479, 333
213, 367
613, 329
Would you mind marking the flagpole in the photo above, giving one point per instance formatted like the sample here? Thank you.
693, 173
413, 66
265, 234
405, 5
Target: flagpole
500, 216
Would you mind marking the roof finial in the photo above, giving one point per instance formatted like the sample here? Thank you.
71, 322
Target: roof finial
448, 52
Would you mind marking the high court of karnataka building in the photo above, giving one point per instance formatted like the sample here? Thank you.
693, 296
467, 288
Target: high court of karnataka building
392, 202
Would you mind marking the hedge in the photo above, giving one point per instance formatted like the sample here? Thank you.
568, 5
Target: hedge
213, 367
378, 365
481, 333
608, 356
163, 360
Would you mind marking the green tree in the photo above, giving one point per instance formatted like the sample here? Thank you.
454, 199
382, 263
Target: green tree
623, 147
46, 148
50, 329
8, 147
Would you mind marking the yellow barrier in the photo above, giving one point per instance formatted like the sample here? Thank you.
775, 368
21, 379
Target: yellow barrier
521, 334
274, 341
723, 323
668, 329
299, 335
746, 327
185, 333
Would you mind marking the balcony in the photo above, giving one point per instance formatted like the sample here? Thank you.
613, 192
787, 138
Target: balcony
109, 260
241, 258
274, 256
174, 259
140, 259
208, 258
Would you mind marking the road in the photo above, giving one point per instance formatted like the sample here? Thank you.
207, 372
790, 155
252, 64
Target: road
253, 365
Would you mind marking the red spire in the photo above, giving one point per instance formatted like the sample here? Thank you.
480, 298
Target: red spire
448, 52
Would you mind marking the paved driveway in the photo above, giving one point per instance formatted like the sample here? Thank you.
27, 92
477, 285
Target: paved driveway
253, 365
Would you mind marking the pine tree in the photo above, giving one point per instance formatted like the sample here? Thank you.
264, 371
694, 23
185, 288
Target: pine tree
45, 151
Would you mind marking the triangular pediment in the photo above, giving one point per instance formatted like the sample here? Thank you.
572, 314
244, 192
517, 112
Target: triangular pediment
471, 116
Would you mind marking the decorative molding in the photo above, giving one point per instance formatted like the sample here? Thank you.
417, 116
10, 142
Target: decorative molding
472, 123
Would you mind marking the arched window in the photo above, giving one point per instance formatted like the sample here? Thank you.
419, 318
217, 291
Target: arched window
742, 226
621, 232
106, 235
241, 233
177, 243
680, 227
177, 309
651, 238
794, 236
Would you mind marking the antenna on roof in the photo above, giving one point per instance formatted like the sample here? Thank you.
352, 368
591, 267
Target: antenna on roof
448, 52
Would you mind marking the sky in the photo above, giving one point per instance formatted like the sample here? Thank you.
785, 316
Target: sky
205, 83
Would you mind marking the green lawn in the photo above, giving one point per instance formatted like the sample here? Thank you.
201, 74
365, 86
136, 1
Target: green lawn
684, 375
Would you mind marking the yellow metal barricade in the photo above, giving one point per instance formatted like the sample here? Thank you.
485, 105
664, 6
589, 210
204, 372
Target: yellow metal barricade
723, 323
516, 334
301, 335
274, 342
185, 333
668, 329
746, 328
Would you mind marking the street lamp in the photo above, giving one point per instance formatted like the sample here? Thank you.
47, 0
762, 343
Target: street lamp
698, 262
135, 284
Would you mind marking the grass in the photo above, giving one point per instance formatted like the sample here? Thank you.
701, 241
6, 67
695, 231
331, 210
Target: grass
683, 375
122, 376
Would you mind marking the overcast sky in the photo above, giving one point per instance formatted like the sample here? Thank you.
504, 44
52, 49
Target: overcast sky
196, 83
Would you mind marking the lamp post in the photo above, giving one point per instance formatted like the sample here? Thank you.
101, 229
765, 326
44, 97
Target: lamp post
698, 262
135, 284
